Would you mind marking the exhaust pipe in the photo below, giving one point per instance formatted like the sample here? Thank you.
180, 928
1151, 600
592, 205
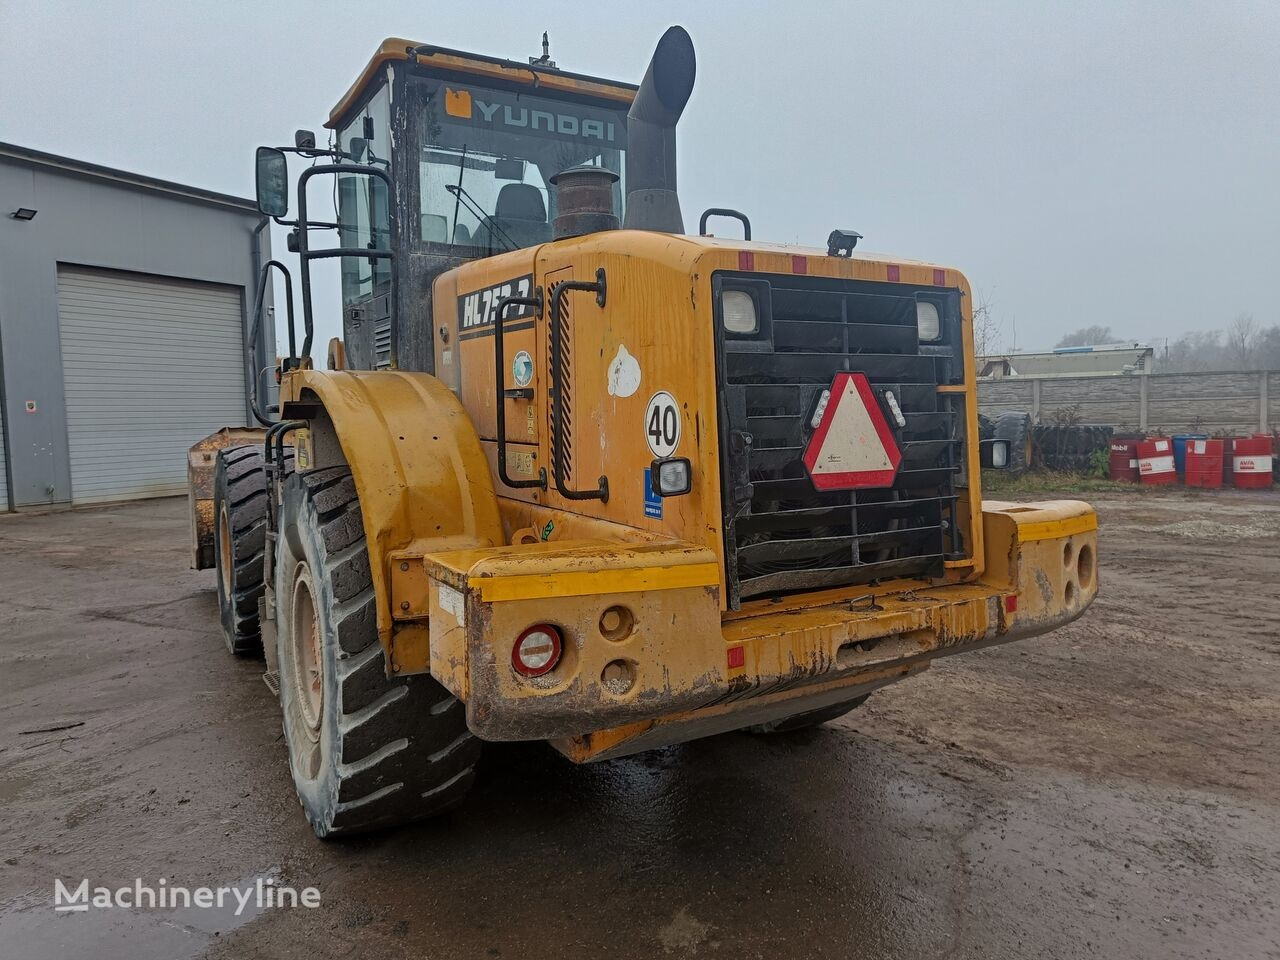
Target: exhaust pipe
652, 202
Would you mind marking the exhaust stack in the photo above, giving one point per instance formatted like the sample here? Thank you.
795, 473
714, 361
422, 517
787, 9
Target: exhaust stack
652, 201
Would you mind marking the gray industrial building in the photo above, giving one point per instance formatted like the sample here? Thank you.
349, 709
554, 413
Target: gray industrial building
124, 302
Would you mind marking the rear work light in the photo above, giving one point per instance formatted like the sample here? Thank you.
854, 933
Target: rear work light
993, 454
537, 650
671, 477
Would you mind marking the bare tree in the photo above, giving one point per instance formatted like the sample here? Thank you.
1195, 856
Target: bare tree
1201, 350
1087, 337
986, 328
1267, 349
1242, 337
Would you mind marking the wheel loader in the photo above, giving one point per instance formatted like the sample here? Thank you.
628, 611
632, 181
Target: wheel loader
576, 474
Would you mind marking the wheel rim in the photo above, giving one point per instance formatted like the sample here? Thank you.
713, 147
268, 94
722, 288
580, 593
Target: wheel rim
224, 550
307, 661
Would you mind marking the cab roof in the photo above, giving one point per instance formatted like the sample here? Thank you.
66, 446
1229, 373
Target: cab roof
482, 67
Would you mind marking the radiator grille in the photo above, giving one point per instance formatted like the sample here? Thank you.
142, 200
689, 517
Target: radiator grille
782, 534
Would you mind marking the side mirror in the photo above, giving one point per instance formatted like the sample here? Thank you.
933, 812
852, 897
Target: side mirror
272, 182
358, 149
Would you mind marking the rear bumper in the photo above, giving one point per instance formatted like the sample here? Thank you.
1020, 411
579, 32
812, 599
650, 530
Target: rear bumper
686, 672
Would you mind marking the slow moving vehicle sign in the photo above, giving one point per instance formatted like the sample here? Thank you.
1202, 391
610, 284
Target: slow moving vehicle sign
852, 445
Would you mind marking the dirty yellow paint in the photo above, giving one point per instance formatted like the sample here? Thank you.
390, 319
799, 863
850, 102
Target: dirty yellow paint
1047, 521
602, 581
457, 578
418, 468
482, 69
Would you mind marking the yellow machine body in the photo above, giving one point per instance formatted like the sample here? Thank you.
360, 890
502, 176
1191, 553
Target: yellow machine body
653, 652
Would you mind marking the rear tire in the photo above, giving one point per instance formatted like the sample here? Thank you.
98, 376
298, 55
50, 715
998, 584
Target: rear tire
1016, 428
366, 750
802, 721
240, 531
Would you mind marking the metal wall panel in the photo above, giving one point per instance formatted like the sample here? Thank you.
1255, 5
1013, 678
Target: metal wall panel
150, 365
4, 470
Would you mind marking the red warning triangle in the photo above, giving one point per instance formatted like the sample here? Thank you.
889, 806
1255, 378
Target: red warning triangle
852, 445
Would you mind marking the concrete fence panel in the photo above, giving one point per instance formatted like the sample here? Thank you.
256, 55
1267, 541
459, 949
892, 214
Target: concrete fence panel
1213, 403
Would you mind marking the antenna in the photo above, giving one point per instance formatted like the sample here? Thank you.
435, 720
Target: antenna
544, 60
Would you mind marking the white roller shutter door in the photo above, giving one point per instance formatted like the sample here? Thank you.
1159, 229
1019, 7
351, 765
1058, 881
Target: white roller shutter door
150, 366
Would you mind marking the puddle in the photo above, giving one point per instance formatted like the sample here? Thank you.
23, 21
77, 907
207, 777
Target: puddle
37, 931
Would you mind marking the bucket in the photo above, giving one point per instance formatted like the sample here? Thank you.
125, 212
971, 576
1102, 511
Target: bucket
1204, 464
1180, 441
1155, 462
1251, 459
1122, 465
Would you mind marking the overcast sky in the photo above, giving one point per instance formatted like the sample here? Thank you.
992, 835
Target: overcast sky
1083, 162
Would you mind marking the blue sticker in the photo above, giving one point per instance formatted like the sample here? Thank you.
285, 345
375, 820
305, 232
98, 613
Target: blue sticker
652, 502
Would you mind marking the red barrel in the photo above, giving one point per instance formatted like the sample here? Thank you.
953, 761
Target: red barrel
1204, 463
1123, 463
1155, 462
1251, 462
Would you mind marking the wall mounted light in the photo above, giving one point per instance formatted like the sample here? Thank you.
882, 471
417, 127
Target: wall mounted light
23, 213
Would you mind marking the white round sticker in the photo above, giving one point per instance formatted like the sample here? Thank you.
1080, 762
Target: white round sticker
522, 368
662, 424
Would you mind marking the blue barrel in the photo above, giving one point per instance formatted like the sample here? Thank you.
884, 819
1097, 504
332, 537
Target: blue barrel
1180, 449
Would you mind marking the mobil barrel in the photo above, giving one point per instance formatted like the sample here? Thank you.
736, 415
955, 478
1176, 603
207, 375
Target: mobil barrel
1204, 463
1155, 461
1180, 441
1251, 461
1123, 462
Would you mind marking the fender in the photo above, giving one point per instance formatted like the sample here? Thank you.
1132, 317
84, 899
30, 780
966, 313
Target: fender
420, 472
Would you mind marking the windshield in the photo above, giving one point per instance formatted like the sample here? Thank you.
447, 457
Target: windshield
487, 158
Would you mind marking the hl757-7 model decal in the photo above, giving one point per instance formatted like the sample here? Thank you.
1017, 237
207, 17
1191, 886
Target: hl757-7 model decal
478, 309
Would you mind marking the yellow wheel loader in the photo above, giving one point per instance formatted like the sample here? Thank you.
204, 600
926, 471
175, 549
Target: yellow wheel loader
574, 474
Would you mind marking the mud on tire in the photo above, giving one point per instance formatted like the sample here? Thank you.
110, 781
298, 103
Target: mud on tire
802, 721
366, 750
240, 529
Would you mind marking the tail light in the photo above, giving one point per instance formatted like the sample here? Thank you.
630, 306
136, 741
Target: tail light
537, 650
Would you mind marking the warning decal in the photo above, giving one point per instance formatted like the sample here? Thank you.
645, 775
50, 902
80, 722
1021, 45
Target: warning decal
852, 445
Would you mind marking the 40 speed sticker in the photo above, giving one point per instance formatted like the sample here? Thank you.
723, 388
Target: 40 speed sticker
662, 424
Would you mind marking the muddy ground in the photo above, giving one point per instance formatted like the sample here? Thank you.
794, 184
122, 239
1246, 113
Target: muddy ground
1111, 790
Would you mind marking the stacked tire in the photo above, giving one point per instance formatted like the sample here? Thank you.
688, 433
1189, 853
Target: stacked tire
1071, 448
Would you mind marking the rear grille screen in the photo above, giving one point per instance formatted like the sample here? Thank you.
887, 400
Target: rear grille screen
781, 534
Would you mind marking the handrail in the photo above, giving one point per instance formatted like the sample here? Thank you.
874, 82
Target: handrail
255, 369
558, 291
306, 255
500, 378
724, 212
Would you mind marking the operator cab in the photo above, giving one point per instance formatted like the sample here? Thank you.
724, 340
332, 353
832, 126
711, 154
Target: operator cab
471, 144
